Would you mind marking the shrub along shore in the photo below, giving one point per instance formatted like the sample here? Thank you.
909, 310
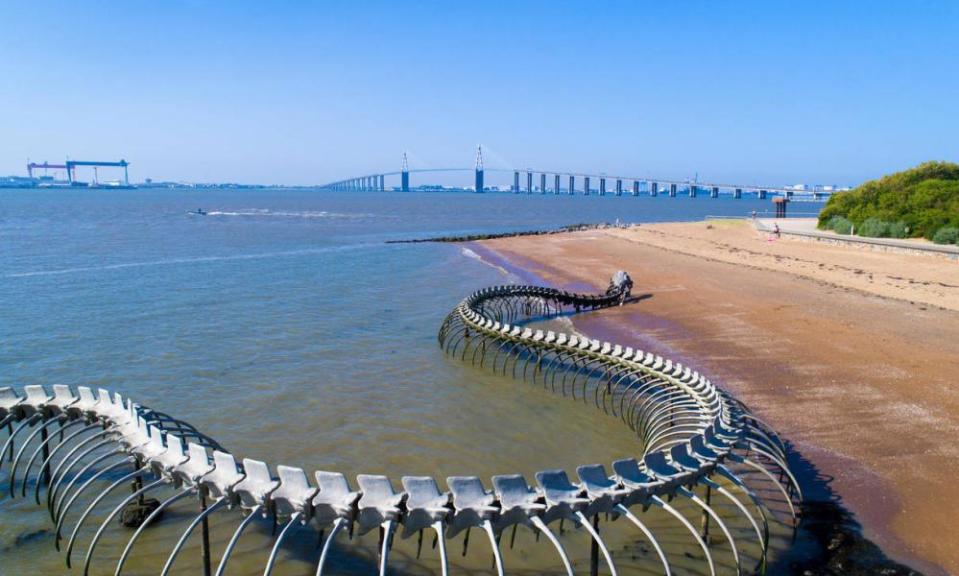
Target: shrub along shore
919, 202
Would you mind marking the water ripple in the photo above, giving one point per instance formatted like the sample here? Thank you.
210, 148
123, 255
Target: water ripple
196, 260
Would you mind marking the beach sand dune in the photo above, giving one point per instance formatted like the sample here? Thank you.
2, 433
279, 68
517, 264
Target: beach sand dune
852, 354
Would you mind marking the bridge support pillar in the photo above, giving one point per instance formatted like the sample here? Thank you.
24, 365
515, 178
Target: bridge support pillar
382, 183
572, 185
586, 185
542, 183
692, 190
738, 193
635, 187
672, 190
529, 182
556, 185
515, 181
781, 207
602, 186
405, 181
715, 192
654, 188
762, 194
619, 187
478, 182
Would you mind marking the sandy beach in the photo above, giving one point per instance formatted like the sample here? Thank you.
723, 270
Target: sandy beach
850, 353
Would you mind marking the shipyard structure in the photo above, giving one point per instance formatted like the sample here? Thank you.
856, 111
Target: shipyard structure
47, 175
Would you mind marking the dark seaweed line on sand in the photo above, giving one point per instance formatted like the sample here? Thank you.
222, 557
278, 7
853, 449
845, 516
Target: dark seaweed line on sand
491, 236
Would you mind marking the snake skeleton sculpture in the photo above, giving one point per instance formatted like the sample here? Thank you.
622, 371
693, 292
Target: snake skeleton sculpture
691, 434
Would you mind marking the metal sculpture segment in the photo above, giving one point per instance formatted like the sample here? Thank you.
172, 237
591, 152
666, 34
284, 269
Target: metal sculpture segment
689, 431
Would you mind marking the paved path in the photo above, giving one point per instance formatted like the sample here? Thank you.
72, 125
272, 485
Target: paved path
807, 227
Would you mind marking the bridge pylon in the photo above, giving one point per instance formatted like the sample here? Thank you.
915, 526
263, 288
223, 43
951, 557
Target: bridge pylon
479, 169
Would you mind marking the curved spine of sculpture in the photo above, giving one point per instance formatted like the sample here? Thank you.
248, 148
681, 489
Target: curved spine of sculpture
690, 432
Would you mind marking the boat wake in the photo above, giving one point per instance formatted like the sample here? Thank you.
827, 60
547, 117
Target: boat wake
267, 213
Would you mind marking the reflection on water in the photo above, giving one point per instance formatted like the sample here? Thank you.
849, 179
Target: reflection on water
281, 325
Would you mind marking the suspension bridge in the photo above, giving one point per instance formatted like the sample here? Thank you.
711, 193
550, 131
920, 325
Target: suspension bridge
556, 182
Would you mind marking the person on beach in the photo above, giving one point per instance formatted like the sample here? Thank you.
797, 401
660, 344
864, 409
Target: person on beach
776, 229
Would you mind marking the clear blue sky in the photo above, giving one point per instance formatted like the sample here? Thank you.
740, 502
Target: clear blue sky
288, 92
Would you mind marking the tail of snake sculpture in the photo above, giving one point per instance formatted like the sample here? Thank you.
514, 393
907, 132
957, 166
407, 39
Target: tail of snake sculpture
691, 434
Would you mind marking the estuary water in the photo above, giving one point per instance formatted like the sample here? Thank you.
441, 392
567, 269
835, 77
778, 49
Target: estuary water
284, 326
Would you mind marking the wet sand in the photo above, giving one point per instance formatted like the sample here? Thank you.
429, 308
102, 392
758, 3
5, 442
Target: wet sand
850, 353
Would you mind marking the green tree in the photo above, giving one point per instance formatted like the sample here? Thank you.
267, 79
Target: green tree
920, 200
